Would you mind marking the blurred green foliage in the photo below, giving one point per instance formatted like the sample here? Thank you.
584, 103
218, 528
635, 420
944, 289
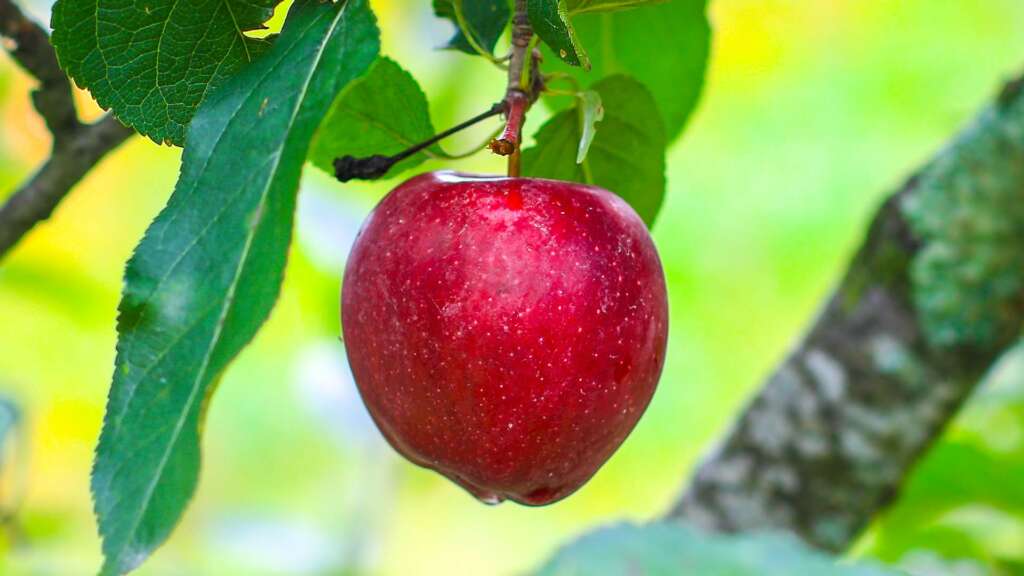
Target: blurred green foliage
486, 19
664, 45
812, 112
627, 154
673, 549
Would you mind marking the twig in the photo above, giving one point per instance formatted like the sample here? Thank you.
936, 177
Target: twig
372, 167
829, 439
525, 83
76, 148
522, 89
522, 33
30, 47
72, 157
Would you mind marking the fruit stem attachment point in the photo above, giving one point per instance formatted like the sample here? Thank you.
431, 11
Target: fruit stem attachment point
372, 167
516, 103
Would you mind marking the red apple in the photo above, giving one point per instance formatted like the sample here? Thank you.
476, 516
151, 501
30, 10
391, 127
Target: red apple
505, 332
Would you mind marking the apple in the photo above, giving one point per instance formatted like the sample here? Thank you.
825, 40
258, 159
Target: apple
505, 332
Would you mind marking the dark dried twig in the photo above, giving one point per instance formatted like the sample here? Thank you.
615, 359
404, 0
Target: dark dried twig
77, 147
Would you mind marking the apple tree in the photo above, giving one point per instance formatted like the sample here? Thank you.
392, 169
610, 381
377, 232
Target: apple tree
508, 330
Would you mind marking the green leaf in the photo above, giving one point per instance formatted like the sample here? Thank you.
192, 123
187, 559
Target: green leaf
209, 269
593, 112
153, 62
938, 491
550, 21
383, 112
485, 19
627, 155
583, 6
673, 548
665, 46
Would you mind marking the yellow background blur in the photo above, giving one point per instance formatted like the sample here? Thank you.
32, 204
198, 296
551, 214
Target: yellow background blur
812, 112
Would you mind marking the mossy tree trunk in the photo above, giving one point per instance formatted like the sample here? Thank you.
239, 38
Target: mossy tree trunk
931, 300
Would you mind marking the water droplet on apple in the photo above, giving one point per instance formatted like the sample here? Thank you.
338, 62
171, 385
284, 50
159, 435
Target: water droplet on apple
489, 498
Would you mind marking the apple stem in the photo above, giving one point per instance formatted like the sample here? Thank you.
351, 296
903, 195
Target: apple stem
372, 167
524, 85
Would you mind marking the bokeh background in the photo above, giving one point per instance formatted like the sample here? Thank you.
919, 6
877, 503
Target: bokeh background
813, 111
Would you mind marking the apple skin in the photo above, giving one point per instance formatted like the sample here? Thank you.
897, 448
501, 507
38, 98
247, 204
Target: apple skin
505, 332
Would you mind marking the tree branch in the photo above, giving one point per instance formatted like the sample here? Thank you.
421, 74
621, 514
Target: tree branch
77, 147
932, 299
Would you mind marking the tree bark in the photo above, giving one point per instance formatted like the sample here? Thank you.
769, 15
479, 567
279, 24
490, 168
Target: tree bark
931, 300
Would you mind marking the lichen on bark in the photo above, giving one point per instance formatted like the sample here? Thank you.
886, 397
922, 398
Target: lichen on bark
932, 299
968, 211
